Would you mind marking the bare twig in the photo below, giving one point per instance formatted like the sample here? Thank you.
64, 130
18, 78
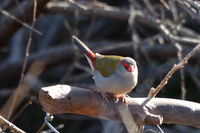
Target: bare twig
24, 87
166, 5
21, 110
115, 13
150, 8
191, 7
20, 21
67, 99
41, 128
168, 35
13, 103
193, 3
87, 8
174, 69
7, 124
9, 27
180, 57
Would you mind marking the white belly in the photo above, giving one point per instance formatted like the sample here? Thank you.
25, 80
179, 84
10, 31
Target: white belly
115, 83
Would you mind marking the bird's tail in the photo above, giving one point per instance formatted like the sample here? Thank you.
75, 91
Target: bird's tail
86, 51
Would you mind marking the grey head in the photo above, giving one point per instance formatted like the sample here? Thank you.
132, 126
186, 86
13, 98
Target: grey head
127, 66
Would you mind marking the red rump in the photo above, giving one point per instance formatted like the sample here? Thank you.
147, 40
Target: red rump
92, 57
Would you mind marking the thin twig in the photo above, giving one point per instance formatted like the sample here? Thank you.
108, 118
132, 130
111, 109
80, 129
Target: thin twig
21, 110
41, 128
192, 3
12, 106
180, 57
150, 8
87, 8
9, 27
160, 129
169, 35
174, 69
115, 13
7, 124
194, 13
20, 21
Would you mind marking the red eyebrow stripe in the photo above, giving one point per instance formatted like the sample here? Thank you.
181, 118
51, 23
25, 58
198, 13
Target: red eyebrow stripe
124, 64
128, 67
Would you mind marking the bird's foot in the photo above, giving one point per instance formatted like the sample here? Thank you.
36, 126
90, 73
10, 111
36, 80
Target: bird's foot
123, 97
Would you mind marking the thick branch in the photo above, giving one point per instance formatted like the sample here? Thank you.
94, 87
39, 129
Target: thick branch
105, 11
68, 99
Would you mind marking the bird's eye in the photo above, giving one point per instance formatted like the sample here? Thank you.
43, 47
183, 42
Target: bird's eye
131, 63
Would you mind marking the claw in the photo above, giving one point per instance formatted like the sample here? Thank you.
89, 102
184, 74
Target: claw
123, 97
105, 96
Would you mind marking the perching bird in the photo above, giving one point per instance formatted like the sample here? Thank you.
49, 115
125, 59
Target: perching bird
112, 74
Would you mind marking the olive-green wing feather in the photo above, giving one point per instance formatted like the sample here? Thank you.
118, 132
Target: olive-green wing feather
107, 64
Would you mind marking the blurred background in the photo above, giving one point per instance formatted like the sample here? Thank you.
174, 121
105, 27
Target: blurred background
36, 51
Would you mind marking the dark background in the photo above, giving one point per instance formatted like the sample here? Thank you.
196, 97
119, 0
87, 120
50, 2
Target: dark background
139, 37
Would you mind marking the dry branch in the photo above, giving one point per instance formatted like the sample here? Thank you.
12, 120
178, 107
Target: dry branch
19, 21
105, 11
6, 124
173, 70
14, 101
67, 99
24, 13
86, 8
23, 89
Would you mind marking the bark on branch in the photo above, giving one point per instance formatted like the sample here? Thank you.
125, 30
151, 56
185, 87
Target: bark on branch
67, 99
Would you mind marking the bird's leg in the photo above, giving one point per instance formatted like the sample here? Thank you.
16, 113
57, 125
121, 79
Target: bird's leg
123, 97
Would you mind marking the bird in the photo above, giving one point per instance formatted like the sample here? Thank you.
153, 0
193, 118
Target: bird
112, 74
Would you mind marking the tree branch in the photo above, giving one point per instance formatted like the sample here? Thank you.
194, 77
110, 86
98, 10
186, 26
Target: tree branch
24, 13
86, 8
67, 99
105, 11
180, 65
19, 21
7, 124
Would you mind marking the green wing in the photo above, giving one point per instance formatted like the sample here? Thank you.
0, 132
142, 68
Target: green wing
107, 64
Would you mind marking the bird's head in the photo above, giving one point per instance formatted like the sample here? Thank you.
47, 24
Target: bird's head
127, 65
